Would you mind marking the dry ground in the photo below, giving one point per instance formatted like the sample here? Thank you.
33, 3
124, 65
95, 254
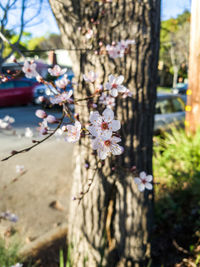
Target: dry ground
47, 179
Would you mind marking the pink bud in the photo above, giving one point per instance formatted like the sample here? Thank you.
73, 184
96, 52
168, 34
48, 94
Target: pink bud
41, 98
40, 113
44, 131
51, 119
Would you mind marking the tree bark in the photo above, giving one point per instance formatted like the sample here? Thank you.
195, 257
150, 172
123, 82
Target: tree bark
112, 224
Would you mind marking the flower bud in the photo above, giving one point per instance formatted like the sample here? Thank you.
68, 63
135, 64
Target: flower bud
40, 113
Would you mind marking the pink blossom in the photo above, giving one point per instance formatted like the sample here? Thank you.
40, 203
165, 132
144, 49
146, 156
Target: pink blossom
19, 168
106, 100
28, 132
103, 126
114, 85
73, 132
40, 113
90, 77
62, 83
127, 93
51, 119
89, 34
56, 71
30, 70
143, 181
62, 98
105, 147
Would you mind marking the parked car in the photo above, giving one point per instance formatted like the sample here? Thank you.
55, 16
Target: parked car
170, 111
17, 92
180, 88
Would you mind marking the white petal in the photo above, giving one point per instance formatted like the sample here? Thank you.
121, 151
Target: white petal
95, 131
121, 89
116, 149
95, 118
96, 143
137, 180
143, 175
116, 139
108, 115
115, 125
111, 78
141, 187
77, 125
106, 134
120, 79
102, 154
149, 178
108, 86
114, 92
149, 186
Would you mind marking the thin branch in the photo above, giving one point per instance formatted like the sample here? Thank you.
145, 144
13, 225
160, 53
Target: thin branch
37, 142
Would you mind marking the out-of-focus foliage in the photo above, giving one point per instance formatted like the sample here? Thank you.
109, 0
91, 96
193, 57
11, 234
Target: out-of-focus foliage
177, 158
8, 254
174, 38
176, 164
12, 37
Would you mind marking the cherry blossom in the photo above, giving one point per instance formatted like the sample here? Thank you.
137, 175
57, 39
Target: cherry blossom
43, 129
62, 98
127, 93
57, 71
105, 147
62, 83
90, 77
115, 51
28, 132
6, 122
114, 85
19, 168
51, 119
40, 113
107, 100
73, 132
143, 181
89, 34
30, 70
103, 126
119, 49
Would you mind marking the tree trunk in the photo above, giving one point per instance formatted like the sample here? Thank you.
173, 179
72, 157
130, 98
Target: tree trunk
111, 226
175, 75
193, 95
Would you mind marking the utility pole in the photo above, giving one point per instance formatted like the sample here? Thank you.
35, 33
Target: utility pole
193, 93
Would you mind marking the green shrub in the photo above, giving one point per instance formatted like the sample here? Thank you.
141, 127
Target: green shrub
177, 159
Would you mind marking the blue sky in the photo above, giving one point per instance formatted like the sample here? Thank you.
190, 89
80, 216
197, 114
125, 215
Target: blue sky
169, 8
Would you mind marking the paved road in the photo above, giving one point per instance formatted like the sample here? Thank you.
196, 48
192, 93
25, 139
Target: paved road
25, 116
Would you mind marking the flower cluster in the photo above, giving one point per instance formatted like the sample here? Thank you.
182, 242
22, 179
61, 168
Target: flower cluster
119, 49
6, 122
107, 100
102, 128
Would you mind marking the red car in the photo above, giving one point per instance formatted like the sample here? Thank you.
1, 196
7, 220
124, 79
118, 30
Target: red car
17, 92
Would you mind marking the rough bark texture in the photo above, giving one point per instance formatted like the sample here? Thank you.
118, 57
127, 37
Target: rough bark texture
112, 224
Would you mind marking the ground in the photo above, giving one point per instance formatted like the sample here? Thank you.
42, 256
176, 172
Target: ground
41, 196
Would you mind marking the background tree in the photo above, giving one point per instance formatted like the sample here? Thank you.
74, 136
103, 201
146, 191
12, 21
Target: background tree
174, 47
14, 31
112, 224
